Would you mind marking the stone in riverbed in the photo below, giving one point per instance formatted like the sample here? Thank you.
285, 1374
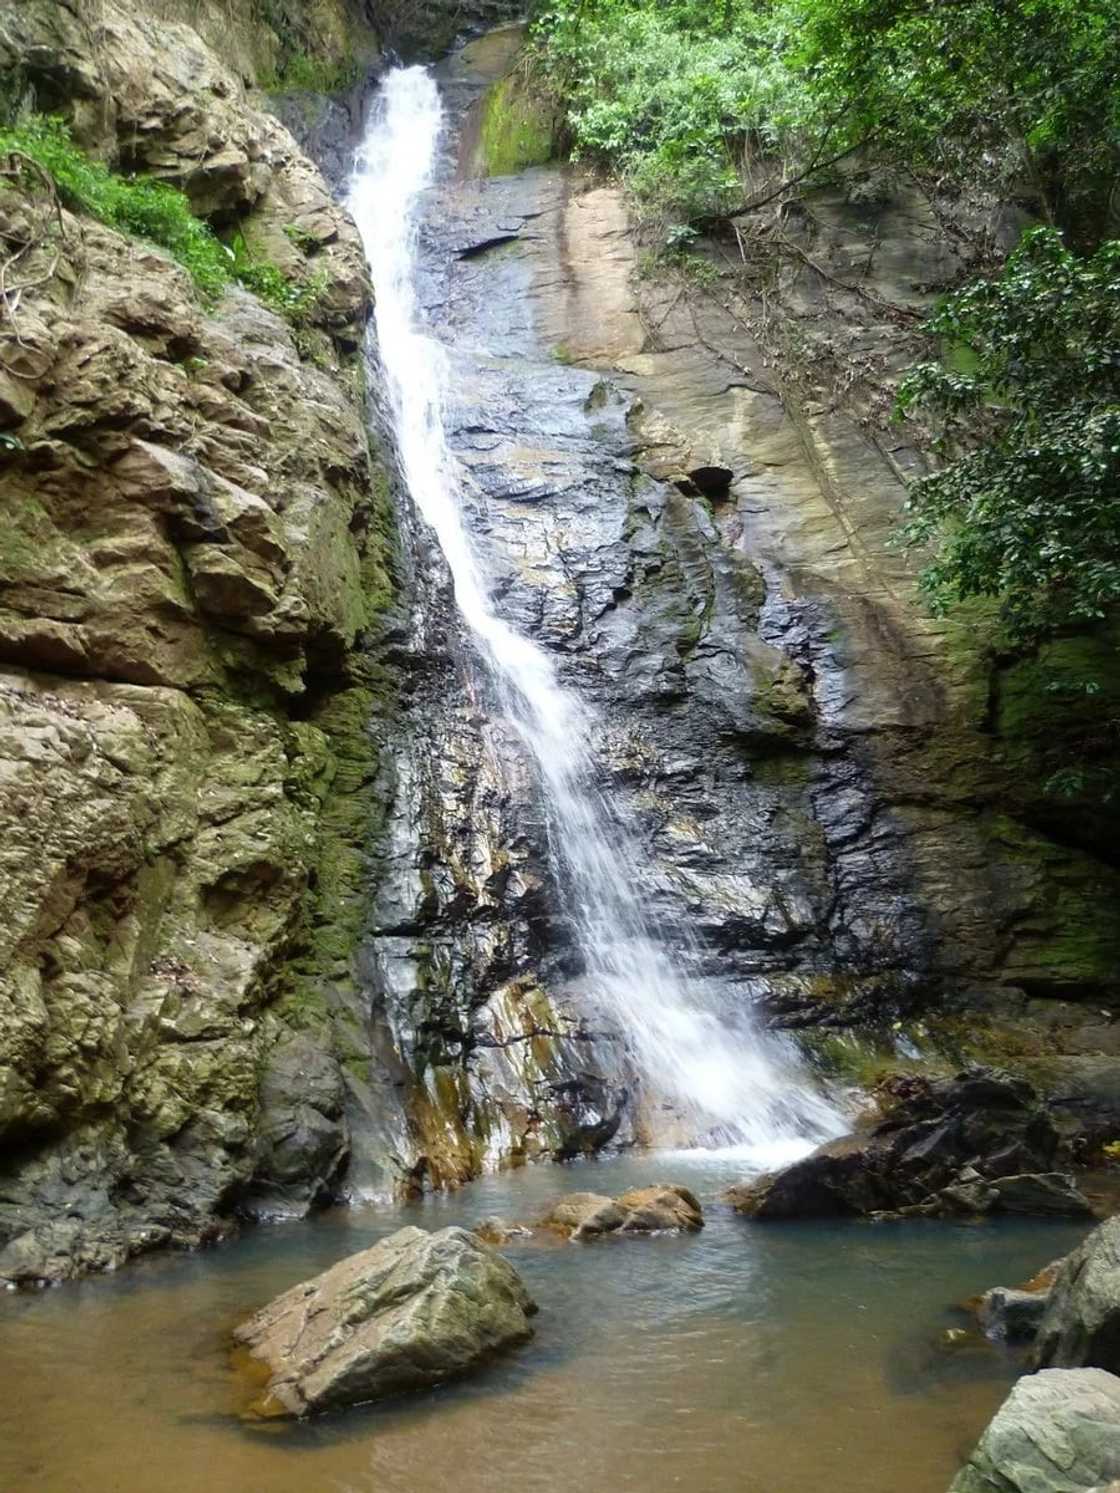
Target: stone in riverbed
1041, 1193
1058, 1431
412, 1311
497, 1230
644, 1210
1012, 1316
977, 1143
1081, 1325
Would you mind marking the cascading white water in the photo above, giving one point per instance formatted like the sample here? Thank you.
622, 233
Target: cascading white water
732, 1088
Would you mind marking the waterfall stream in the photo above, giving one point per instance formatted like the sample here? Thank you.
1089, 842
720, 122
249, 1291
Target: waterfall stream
721, 1086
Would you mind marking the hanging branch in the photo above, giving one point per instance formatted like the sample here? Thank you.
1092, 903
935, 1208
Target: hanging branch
18, 164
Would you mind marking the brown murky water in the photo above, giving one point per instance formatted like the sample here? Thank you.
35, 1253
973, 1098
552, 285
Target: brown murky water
748, 1359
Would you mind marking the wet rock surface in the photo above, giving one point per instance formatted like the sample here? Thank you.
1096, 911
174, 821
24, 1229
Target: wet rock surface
1057, 1432
1081, 1324
415, 1310
801, 751
643, 1210
981, 1142
192, 556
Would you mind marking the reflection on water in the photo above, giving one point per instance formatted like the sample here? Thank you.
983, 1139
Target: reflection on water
747, 1359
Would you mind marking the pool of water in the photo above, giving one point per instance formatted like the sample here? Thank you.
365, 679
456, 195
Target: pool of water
751, 1358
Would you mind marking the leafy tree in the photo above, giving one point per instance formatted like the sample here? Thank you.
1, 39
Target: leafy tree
1024, 94
1027, 506
1026, 89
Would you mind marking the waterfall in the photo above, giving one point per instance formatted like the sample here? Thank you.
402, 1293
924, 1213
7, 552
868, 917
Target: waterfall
739, 1087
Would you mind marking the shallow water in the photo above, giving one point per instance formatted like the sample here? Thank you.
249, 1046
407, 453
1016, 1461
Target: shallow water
747, 1359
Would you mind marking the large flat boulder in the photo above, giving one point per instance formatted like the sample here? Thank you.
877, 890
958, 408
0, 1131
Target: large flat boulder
1081, 1324
412, 1311
1058, 1431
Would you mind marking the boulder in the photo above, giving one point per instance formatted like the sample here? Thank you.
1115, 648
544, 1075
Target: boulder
1012, 1316
1041, 1193
414, 1310
654, 1210
644, 1210
1058, 1431
976, 1143
1081, 1325
496, 1230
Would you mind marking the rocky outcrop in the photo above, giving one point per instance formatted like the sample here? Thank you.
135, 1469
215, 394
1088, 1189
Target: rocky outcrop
642, 1210
978, 1143
1081, 1324
413, 1311
194, 559
1057, 1432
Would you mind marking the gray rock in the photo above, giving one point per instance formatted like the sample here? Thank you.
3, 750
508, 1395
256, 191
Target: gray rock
1042, 1193
1012, 1316
1058, 1431
410, 1312
957, 1145
1082, 1321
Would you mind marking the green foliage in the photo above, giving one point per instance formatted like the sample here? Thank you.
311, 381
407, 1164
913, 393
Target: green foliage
137, 205
1027, 506
294, 299
160, 213
1026, 89
301, 73
676, 94
665, 92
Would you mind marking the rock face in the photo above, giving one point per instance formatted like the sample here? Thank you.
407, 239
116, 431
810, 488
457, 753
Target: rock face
413, 1311
643, 1210
1081, 1324
1057, 1432
281, 919
193, 579
701, 543
977, 1143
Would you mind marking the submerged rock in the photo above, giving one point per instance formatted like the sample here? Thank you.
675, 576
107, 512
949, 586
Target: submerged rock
412, 1311
644, 1210
1058, 1431
977, 1143
1081, 1325
1012, 1316
496, 1230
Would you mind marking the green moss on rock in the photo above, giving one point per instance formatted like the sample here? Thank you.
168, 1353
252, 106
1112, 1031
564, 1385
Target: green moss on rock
518, 128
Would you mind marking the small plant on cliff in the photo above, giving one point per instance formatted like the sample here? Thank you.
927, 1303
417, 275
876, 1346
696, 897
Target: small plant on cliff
160, 213
294, 299
137, 205
1027, 506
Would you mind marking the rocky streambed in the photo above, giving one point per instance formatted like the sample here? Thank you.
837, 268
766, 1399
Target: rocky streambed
743, 1356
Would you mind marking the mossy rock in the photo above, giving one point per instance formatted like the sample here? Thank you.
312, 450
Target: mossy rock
518, 128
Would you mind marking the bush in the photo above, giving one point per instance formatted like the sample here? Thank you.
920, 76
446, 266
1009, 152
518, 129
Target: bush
160, 213
137, 205
1027, 507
